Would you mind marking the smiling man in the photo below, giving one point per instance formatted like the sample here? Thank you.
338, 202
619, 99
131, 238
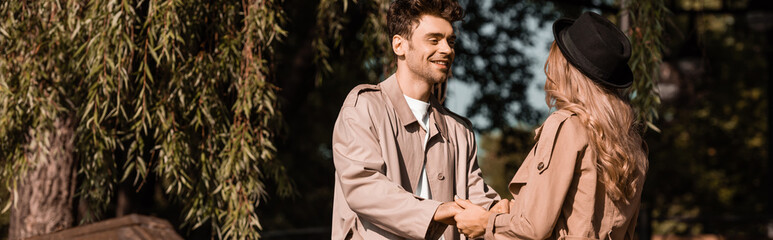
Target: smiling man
400, 156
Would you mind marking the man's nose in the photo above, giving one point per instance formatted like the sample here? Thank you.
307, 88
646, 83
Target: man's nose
445, 47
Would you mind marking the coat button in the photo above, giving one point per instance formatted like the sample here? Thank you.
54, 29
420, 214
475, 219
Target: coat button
540, 166
440, 176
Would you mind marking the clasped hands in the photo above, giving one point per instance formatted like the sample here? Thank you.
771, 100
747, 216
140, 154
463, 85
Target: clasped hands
469, 218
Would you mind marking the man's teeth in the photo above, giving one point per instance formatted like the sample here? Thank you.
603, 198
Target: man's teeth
439, 62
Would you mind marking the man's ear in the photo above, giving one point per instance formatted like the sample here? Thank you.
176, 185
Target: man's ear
398, 45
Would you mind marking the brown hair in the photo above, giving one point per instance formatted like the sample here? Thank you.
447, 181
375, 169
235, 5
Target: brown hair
621, 159
404, 13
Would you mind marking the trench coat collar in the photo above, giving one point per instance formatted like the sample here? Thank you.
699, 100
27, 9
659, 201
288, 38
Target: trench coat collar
395, 95
438, 111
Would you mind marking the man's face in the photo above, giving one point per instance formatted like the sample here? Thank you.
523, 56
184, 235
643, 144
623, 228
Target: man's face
430, 50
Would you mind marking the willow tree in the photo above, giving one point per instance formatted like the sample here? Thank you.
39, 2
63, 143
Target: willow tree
93, 93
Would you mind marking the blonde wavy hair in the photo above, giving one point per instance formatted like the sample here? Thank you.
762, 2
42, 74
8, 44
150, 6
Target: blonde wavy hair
611, 124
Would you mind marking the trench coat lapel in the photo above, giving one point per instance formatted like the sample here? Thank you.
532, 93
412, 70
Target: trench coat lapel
412, 143
440, 166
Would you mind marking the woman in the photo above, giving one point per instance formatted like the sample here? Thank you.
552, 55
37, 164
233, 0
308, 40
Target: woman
583, 178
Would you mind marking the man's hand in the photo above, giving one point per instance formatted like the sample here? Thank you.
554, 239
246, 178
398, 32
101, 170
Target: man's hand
445, 213
503, 206
472, 221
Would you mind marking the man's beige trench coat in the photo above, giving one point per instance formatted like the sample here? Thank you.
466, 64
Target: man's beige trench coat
556, 194
378, 155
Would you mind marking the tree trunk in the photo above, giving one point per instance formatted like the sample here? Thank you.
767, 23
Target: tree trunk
45, 193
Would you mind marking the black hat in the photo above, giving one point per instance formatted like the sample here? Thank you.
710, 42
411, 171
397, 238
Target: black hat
596, 47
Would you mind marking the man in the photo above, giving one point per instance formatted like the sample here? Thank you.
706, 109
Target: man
400, 156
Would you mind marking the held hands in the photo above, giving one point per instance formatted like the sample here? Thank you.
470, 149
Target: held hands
445, 213
472, 221
469, 218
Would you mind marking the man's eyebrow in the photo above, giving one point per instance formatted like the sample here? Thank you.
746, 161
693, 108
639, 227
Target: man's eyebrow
437, 35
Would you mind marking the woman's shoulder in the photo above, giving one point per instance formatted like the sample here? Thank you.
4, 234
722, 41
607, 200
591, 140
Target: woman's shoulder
565, 125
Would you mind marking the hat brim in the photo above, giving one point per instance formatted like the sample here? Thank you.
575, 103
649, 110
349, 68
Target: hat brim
622, 77
560, 26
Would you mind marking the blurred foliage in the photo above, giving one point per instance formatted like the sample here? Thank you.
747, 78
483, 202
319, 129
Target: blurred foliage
332, 19
175, 90
491, 54
505, 151
710, 163
347, 42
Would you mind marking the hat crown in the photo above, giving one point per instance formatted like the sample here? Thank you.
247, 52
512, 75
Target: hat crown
596, 47
600, 29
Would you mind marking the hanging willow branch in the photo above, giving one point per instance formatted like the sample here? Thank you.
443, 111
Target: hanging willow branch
106, 54
331, 21
377, 42
646, 33
177, 90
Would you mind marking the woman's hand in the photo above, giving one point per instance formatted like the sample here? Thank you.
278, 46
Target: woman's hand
472, 221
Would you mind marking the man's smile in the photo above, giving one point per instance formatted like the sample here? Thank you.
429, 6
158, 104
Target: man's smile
441, 63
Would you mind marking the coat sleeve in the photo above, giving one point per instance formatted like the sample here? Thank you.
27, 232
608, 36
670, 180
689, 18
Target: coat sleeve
561, 145
366, 189
478, 192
